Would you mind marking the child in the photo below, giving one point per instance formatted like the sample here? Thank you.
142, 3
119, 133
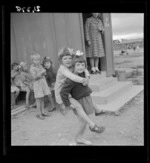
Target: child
81, 94
40, 86
23, 80
64, 72
50, 78
14, 88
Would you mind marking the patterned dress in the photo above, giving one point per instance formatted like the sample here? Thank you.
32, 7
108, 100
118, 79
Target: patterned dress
93, 28
40, 86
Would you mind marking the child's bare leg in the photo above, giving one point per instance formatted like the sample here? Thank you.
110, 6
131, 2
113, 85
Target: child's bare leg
81, 130
97, 110
51, 101
81, 112
39, 107
38, 104
42, 108
27, 90
42, 105
17, 93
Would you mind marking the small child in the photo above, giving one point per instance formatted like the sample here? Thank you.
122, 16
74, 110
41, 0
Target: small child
65, 57
51, 79
82, 95
14, 88
24, 81
40, 86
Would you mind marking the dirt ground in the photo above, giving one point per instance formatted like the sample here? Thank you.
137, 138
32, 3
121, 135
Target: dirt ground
125, 129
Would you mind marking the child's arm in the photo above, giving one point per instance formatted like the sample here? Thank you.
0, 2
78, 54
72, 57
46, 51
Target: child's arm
64, 93
87, 75
34, 73
72, 76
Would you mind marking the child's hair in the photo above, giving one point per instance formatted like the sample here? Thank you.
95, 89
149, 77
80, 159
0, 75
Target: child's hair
35, 55
79, 59
47, 59
14, 65
65, 52
22, 65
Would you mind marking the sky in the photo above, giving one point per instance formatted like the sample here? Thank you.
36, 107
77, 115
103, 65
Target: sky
127, 25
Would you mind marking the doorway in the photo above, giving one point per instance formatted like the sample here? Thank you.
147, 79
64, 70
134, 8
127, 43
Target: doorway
85, 16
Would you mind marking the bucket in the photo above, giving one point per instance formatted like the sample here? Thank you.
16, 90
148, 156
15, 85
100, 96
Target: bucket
121, 75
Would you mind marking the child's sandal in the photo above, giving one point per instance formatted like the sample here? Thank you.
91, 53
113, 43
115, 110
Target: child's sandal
100, 113
40, 117
97, 129
46, 115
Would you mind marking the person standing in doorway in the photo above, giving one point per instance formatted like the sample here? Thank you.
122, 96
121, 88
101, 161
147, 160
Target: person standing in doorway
93, 35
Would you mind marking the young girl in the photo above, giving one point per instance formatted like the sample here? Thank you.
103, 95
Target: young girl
64, 72
40, 86
51, 79
19, 82
27, 78
14, 88
82, 95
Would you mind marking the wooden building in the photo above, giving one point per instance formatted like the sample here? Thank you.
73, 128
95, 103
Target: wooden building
48, 32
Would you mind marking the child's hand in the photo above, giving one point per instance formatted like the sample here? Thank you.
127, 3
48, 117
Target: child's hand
85, 82
43, 74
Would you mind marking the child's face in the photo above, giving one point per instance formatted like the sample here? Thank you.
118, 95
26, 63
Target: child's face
47, 65
67, 61
79, 67
36, 60
16, 67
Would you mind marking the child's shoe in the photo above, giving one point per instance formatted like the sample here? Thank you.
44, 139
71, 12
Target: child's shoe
64, 111
51, 109
72, 144
97, 129
40, 117
83, 141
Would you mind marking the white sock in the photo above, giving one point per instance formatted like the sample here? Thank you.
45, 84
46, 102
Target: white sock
93, 69
96, 68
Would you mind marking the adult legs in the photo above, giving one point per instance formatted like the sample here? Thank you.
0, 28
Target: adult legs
96, 61
92, 65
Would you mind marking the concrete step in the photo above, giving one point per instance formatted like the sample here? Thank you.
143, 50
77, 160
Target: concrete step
107, 95
102, 84
18, 110
119, 102
95, 77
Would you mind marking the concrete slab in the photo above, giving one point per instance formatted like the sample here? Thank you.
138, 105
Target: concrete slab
102, 84
116, 104
111, 93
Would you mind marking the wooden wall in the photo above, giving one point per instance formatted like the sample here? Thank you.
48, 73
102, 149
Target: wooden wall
45, 33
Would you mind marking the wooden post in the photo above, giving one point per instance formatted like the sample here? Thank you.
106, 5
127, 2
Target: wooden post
108, 43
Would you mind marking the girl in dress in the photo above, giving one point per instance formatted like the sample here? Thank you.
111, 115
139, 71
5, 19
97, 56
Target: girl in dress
51, 79
82, 95
40, 86
64, 72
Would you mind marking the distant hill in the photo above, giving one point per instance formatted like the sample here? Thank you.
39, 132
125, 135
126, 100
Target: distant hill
126, 41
